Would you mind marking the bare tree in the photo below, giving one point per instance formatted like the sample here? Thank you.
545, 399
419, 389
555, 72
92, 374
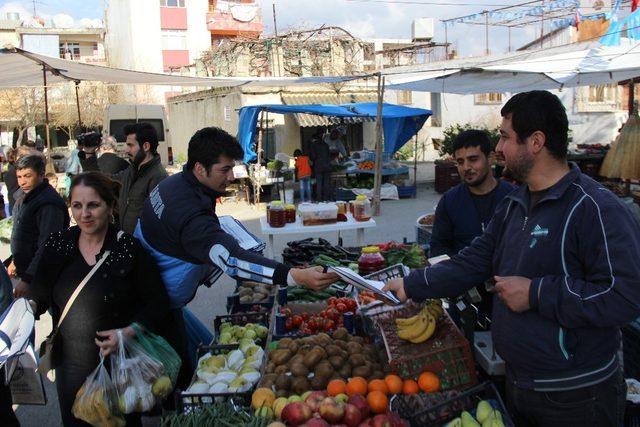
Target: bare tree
22, 108
93, 97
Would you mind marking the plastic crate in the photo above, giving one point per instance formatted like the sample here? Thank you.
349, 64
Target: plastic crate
407, 191
447, 353
631, 349
436, 409
235, 306
187, 402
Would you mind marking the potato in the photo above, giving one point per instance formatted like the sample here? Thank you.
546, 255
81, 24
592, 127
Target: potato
284, 343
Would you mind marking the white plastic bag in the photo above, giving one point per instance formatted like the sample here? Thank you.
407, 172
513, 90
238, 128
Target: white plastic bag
96, 400
134, 373
633, 390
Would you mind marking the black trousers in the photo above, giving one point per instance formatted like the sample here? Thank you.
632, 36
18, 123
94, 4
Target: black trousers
600, 405
324, 190
7, 416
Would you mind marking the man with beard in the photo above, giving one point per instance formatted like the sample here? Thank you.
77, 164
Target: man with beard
563, 251
142, 175
465, 210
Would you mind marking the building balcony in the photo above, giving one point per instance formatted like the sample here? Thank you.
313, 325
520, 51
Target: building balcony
224, 24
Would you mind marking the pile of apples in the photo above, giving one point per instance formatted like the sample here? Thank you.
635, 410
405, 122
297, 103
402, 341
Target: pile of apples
317, 409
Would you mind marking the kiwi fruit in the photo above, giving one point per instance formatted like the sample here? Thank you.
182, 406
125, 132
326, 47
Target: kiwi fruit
341, 334
319, 383
298, 369
345, 371
333, 350
270, 367
361, 371
323, 369
280, 357
341, 344
284, 343
282, 393
299, 385
298, 358
336, 361
282, 382
293, 347
377, 375
312, 358
357, 359
354, 347
357, 339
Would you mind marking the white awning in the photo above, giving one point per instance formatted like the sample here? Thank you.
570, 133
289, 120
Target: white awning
21, 68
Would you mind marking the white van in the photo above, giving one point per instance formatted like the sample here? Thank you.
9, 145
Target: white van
117, 116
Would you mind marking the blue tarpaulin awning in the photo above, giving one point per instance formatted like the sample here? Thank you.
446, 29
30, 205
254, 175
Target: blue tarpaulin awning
400, 123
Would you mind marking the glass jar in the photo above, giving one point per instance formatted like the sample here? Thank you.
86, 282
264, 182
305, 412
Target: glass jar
362, 208
342, 211
290, 213
370, 261
277, 215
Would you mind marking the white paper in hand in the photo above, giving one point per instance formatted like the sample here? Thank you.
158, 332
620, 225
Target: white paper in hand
360, 282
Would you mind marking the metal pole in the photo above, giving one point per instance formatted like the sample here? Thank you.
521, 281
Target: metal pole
415, 166
258, 188
275, 31
446, 41
78, 104
379, 142
542, 27
46, 119
509, 39
486, 32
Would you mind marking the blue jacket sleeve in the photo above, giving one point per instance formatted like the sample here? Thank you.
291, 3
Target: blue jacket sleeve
600, 257
442, 235
204, 239
472, 265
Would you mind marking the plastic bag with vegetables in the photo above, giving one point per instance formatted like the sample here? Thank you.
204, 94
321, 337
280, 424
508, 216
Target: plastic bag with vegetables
96, 400
139, 379
160, 350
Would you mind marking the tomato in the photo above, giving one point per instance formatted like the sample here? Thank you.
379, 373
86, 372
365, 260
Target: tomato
312, 324
341, 307
330, 325
351, 304
305, 316
286, 311
296, 321
289, 324
332, 300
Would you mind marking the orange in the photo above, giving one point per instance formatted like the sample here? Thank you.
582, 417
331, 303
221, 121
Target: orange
378, 385
357, 385
378, 402
410, 387
336, 387
394, 384
428, 382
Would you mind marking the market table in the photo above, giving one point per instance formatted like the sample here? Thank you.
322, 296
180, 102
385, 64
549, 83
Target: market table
312, 230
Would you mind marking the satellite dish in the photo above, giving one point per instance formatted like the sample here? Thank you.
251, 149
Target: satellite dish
62, 20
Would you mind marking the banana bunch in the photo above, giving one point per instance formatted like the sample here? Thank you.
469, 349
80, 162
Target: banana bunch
419, 328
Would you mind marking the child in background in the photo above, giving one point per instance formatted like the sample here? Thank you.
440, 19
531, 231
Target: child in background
303, 169
53, 180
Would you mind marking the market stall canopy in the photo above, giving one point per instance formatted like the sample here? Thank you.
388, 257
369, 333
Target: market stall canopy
577, 64
24, 69
400, 123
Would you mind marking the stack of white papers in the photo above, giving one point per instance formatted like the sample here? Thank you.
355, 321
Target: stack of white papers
244, 237
360, 282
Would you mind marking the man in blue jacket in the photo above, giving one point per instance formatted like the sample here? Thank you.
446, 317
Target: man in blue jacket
180, 228
564, 253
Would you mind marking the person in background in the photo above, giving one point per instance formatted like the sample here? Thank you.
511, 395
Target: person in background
563, 252
464, 211
53, 180
39, 212
321, 158
10, 178
141, 176
109, 162
303, 169
88, 158
336, 147
181, 230
126, 288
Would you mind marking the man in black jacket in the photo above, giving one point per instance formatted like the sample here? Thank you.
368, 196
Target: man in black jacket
108, 161
142, 175
39, 212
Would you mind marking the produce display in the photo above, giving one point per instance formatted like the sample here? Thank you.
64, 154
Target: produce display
366, 165
427, 219
325, 320
485, 416
234, 334
300, 294
215, 414
419, 328
309, 363
235, 372
307, 252
254, 292
410, 255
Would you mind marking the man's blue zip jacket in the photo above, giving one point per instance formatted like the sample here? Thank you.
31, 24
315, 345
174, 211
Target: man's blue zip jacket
580, 246
180, 228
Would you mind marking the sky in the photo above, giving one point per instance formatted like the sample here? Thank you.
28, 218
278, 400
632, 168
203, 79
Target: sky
363, 18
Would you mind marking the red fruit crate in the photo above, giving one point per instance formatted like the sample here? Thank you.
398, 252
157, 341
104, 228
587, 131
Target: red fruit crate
447, 353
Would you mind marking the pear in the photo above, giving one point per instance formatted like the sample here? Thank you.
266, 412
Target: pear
468, 420
214, 363
494, 419
483, 410
225, 338
246, 343
456, 422
250, 334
